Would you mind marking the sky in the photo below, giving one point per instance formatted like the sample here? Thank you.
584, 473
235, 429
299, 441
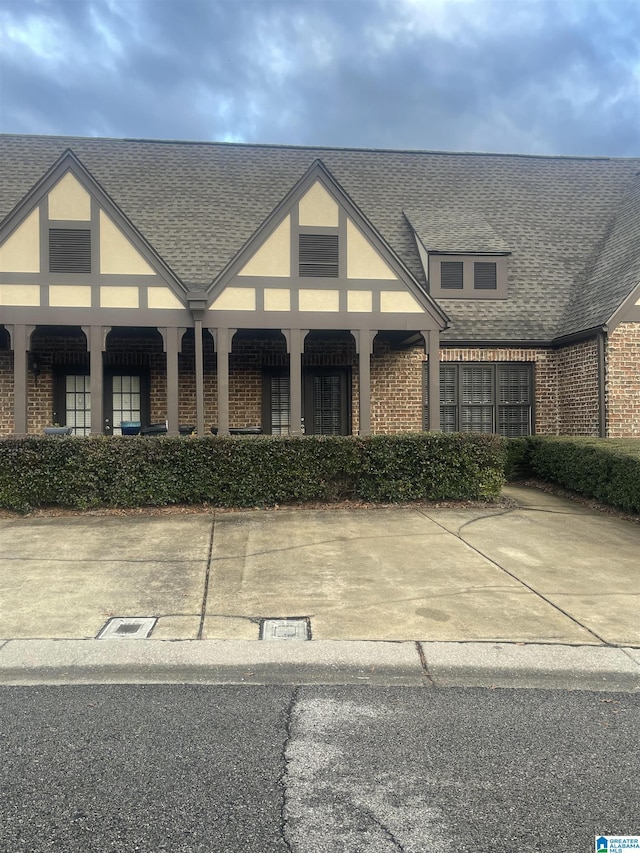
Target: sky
518, 76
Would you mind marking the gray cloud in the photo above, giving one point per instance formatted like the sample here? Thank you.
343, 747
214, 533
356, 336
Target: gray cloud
538, 76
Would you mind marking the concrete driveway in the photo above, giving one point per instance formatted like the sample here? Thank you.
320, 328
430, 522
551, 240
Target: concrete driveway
547, 571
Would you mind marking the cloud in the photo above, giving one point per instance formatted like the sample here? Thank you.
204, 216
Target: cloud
539, 76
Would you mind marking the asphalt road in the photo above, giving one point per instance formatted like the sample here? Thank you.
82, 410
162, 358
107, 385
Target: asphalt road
315, 769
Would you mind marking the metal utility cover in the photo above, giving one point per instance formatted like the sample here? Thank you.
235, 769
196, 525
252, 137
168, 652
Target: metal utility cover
285, 629
128, 628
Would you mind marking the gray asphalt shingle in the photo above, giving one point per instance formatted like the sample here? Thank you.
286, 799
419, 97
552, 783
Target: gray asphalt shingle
571, 224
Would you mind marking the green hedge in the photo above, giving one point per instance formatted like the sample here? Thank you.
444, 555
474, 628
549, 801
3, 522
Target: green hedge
82, 473
602, 468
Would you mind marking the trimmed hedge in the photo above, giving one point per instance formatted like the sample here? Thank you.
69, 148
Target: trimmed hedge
84, 473
602, 468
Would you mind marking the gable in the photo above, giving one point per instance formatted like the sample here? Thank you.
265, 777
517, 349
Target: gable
318, 256
68, 246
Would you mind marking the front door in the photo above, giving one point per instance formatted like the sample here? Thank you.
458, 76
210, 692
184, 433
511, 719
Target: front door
72, 402
126, 398
326, 397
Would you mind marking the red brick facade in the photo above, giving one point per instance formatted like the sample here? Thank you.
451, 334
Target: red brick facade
578, 404
565, 380
623, 381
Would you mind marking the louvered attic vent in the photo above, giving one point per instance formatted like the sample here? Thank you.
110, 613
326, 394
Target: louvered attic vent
484, 276
319, 255
70, 250
451, 275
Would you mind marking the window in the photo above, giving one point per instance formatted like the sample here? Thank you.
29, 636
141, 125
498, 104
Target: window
70, 250
468, 276
318, 255
491, 398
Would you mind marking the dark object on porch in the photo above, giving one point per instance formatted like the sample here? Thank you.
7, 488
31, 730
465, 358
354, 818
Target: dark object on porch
130, 427
187, 429
154, 429
57, 430
240, 430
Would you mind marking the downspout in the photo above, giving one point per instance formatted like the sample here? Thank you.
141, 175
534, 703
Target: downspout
602, 367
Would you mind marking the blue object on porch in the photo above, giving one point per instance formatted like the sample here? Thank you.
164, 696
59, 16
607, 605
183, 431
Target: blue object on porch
130, 427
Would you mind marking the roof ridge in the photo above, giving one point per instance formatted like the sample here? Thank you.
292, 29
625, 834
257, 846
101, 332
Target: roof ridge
319, 147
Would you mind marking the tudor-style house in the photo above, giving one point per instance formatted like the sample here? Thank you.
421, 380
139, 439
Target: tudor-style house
319, 291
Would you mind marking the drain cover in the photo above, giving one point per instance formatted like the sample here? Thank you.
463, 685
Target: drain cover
128, 627
285, 629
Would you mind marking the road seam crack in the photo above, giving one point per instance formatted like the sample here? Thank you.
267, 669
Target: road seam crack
423, 663
282, 781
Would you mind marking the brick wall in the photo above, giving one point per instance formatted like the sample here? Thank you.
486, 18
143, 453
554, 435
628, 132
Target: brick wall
6, 392
566, 398
623, 381
396, 388
578, 406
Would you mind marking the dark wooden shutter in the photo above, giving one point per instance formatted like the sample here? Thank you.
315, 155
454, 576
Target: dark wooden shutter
514, 400
70, 250
280, 405
476, 411
451, 275
319, 255
484, 276
448, 397
327, 409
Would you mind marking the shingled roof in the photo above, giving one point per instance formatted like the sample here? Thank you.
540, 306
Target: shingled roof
571, 224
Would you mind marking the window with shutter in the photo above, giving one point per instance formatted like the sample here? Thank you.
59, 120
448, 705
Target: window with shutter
70, 250
484, 398
318, 255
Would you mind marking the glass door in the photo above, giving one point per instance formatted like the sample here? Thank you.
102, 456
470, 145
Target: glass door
126, 399
77, 404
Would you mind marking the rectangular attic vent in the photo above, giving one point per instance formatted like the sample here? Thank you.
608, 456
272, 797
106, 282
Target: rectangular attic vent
451, 275
484, 276
318, 255
70, 250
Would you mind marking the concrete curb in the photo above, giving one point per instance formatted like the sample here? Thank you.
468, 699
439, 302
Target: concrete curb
31, 662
